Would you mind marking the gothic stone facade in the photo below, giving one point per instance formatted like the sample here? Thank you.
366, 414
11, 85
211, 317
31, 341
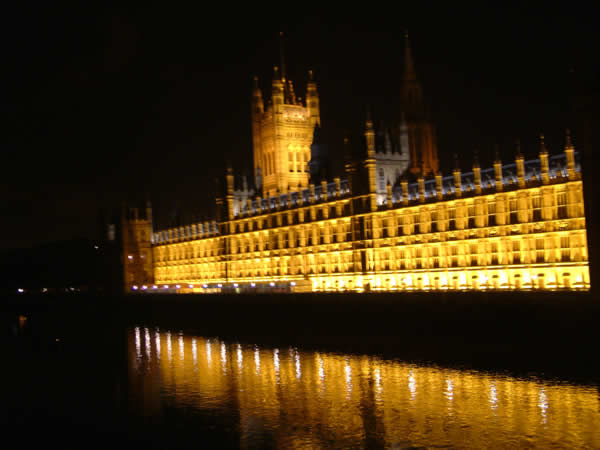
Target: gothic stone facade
518, 226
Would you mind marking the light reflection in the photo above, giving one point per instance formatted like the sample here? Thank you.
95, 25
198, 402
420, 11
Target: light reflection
223, 356
378, 380
298, 368
138, 345
147, 343
276, 361
208, 352
181, 350
240, 357
321, 369
157, 342
449, 390
348, 377
257, 360
280, 393
543, 404
412, 385
194, 352
169, 348
493, 396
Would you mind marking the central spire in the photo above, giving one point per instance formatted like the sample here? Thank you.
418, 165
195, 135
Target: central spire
282, 57
409, 66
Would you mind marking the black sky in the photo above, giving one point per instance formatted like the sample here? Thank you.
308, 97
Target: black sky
104, 104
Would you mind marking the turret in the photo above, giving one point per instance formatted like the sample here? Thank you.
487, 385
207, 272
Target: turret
389, 194
544, 167
229, 195
498, 172
421, 184
477, 174
570, 154
520, 160
277, 90
457, 178
312, 100
370, 161
404, 186
438, 186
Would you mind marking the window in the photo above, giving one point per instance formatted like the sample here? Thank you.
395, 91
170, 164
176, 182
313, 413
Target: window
537, 210
513, 210
561, 201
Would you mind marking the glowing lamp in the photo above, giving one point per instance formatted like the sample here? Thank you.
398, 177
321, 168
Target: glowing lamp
134, 288
20, 290
220, 285
252, 284
293, 283
271, 284
177, 286
144, 287
166, 286
235, 285
190, 286
155, 287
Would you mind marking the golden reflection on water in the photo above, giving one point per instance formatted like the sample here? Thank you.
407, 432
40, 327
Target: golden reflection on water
320, 399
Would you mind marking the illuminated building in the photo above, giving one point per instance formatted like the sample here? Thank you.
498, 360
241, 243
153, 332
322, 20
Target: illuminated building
515, 226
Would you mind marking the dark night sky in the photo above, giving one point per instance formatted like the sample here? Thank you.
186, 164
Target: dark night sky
104, 104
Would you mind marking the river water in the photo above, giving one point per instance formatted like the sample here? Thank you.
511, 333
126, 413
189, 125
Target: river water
162, 388
289, 398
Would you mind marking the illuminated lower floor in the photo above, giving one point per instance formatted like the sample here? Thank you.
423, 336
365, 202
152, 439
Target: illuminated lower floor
556, 276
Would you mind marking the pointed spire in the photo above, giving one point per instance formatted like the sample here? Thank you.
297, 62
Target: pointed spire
497, 153
276, 73
311, 77
409, 66
255, 82
370, 134
282, 56
518, 148
568, 143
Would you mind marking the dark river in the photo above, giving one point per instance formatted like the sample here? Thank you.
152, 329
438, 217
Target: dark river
150, 387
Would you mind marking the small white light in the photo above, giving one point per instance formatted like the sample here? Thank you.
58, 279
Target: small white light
130, 256
155, 287
96, 247
271, 284
177, 286
235, 285
21, 290
293, 283
191, 286
144, 287
252, 284
166, 286
220, 285
204, 286
134, 288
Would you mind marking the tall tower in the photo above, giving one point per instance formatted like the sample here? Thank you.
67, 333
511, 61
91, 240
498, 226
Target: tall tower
136, 235
420, 130
282, 133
